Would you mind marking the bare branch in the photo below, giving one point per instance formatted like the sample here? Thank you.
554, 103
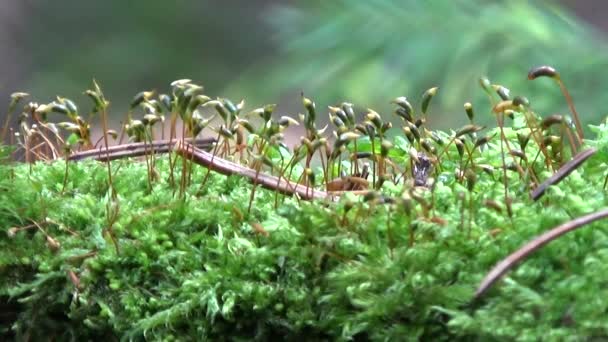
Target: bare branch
136, 149
226, 167
509, 262
563, 171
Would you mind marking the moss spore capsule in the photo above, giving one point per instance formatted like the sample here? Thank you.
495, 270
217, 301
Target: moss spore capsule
468, 108
426, 98
543, 71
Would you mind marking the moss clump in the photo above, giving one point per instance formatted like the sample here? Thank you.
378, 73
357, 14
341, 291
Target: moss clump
169, 251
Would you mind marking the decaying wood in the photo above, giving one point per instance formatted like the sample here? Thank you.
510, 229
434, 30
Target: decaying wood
563, 171
514, 258
136, 149
226, 167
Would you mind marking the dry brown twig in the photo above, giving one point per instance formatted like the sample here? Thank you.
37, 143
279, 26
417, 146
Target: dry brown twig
226, 167
514, 258
137, 149
563, 171
193, 148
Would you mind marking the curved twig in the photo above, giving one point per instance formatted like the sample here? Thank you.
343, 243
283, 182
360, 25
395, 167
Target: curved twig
563, 171
509, 262
226, 167
137, 149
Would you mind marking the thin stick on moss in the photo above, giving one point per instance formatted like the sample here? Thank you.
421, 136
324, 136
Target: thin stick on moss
227, 168
563, 171
514, 258
137, 149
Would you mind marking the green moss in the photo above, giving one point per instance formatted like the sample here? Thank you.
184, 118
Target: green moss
193, 262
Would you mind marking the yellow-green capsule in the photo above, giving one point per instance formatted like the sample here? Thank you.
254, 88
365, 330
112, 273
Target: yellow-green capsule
468, 108
69, 104
192, 89
517, 153
310, 174
386, 126
225, 132
310, 108
150, 119
552, 140
485, 84
17, 96
306, 142
148, 108
405, 110
15, 99
502, 92
350, 113
471, 178
156, 105
491, 204
180, 83
360, 128
468, 129
197, 101
486, 168
246, 124
436, 138
503, 106
419, 122
140, 97
375, 118
112, 133
99, 103
336, 121
459, 146
166, 101
267, 113
426, 145
58, 108
426, 98
523, 139
409, 135
414, 129
413, 153
221, 110
349, 136
385, 147
403, 113
362, 155
521, 101
230, 106
286, 121
370, 130
68, 126
319, 143
482, 141
342, 116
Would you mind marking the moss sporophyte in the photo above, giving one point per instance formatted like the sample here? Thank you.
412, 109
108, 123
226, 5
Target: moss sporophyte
372, 226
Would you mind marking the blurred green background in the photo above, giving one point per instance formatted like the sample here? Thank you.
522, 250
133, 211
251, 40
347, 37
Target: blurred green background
268, 51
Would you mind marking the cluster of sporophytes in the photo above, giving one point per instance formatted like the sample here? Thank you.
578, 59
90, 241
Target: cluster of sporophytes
386, 234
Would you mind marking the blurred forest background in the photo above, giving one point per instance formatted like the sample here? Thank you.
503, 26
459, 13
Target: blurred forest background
268, 51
